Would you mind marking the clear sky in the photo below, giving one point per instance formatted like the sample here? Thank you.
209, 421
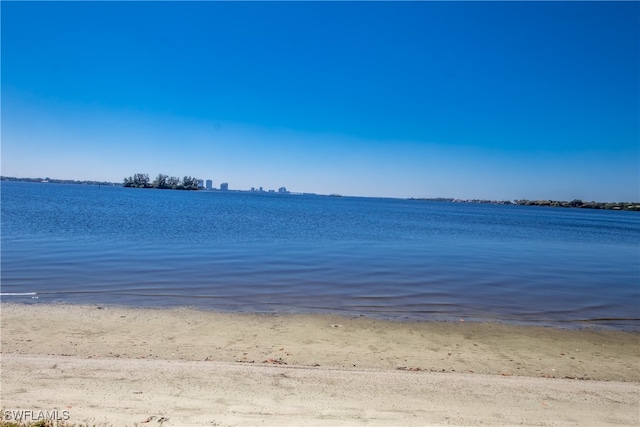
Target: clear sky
496, 100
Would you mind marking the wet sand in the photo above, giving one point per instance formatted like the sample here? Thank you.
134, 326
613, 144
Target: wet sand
118, 366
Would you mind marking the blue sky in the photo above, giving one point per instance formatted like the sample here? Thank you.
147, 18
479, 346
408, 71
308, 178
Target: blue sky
498, 100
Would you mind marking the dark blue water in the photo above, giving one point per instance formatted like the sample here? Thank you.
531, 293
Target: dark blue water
388, 258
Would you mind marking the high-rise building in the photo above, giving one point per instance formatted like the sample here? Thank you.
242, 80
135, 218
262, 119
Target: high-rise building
224, 186
282, 190
200, 183
209, 184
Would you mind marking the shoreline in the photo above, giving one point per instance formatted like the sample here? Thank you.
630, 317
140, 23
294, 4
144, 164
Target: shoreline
49, 351
613, 325
440, 346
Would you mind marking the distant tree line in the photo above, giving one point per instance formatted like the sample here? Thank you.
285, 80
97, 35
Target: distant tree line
166, 182
577, 203
57, 181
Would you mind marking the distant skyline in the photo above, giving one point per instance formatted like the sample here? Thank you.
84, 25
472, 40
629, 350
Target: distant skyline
470, 100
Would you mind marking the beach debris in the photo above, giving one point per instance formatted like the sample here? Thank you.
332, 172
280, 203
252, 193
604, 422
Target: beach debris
277, 361
506, 374
160, 420
407, 368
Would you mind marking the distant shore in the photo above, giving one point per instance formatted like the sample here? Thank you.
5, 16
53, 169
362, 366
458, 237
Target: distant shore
576, 203
198, 367
48, 180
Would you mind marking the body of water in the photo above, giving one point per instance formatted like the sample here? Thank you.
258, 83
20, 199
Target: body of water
389, 258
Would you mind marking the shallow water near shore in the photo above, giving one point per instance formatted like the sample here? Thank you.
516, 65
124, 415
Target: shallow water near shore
387, 258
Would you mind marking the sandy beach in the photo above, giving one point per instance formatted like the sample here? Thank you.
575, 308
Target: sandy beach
118, 366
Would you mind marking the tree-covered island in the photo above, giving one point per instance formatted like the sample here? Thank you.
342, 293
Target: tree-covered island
164, 182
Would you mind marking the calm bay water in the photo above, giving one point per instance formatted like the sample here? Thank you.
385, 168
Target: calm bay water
388, 258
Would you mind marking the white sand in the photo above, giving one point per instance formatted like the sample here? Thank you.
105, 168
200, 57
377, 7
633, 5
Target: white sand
119, 366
